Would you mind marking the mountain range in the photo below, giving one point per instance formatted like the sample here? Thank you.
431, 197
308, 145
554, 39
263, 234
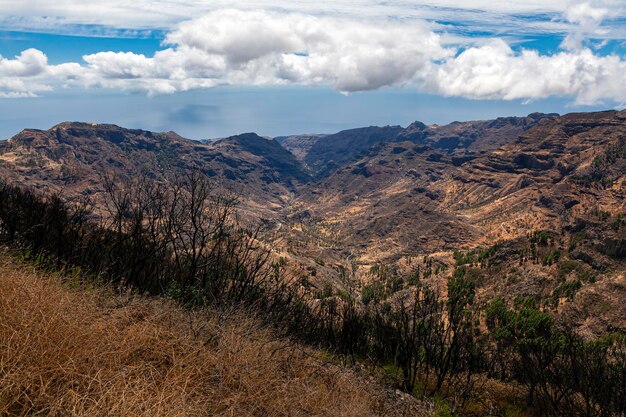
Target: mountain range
525, 204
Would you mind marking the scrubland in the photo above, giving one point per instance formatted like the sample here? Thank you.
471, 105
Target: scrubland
69, 349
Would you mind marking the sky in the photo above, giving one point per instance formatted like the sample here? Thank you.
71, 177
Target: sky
209, 69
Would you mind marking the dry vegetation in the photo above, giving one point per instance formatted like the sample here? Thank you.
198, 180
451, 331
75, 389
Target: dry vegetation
66, 350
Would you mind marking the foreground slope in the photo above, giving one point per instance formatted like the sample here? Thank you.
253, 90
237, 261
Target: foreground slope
91, 352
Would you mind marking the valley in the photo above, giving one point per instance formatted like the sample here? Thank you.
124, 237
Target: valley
341, 208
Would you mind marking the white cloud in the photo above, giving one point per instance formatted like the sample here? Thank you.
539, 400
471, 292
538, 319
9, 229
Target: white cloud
244, 36
123, 17
264, 48
495, 71
587, 20
239, 47
122, 65
28, 74
30, 62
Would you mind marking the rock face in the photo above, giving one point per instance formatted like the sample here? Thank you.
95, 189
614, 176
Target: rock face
299, 145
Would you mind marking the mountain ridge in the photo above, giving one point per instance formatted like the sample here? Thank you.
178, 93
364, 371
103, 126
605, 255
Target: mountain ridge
74, 156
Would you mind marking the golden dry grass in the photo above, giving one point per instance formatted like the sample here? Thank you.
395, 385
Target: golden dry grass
93, 353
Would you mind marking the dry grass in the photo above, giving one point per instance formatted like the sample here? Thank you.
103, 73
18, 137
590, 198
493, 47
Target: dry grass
92, 353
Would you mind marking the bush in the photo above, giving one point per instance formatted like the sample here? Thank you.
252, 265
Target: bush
326, 292
372, 293
566, 290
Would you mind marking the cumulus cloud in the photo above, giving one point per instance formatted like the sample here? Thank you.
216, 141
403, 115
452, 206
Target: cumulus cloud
29, 73
264, 48
30, 62
495, 71
238, 47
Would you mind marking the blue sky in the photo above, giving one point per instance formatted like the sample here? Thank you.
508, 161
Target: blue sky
205, 71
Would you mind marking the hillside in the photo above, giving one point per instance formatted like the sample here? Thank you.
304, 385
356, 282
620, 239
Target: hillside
298, 145
523, 185
433, 255
331, 152
405, 200
324, 154
336, 207
75, 157
474, 136
68, 349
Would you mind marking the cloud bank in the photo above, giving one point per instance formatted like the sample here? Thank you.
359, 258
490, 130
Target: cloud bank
241, 47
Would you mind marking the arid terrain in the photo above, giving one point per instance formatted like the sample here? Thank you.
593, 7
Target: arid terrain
455, 263
96, 352
528, 204
278, 208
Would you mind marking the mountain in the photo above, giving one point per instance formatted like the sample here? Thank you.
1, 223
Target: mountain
562, 178
551, 173
388, 195
525, 204
75, 157
330, 152
324, 154
269, 153
474, 136
525, 182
